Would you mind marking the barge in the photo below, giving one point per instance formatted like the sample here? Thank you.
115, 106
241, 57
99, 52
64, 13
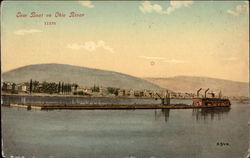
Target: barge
77, 103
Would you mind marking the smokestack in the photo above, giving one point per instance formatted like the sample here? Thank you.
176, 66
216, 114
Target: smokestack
220, 94
198, 92
206, 92
213, 95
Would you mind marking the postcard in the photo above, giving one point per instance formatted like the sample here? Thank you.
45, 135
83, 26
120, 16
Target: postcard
125, 79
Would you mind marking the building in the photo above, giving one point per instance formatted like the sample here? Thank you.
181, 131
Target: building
148, 93
87, 90
129, 92
138, 93
121, 92
23, 87
9, 86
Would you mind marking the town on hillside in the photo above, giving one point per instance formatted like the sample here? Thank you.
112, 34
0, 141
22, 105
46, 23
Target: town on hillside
73, 89
62, 88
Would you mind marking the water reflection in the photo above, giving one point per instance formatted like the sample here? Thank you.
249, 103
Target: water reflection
210, 113
199, 114
162, 113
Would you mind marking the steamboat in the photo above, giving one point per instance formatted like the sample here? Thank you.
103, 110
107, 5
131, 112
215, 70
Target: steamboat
210, 102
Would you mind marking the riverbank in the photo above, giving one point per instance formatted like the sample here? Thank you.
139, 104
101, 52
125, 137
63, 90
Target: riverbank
86, 96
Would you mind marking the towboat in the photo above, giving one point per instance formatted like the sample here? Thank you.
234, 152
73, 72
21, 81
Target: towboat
210, 102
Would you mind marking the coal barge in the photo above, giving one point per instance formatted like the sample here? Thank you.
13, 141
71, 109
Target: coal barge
77, 103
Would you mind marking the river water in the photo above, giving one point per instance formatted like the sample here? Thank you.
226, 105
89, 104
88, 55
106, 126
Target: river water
186, 133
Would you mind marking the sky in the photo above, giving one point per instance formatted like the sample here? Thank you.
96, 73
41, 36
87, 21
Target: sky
140, 38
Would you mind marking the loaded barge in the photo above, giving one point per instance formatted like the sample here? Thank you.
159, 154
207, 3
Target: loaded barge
77, 103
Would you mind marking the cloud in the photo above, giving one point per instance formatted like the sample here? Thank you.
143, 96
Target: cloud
147, 7
87, 4
232, 12
174, 61
153, 58
239, 9
231, 58
90, 46
178, 4
23, 31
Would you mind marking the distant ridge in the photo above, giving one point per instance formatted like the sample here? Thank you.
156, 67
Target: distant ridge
75, 74
192, 84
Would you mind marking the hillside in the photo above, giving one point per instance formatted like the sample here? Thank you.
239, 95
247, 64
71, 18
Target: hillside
192, 84
74, 74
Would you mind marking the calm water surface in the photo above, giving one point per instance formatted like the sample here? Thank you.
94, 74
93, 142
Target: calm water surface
183, 133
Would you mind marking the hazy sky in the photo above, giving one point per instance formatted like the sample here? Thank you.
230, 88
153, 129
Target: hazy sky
140, 38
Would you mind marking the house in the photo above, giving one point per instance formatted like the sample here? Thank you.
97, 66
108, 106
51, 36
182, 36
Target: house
9, 86
23, 87
129, 92
102, 90
148, 93
138, 93
87, 90
121, 92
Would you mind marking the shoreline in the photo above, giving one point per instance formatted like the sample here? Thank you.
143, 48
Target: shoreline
94, 96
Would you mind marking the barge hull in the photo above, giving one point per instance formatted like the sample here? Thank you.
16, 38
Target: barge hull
106, 107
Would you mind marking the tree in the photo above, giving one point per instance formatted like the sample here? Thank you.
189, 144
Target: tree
4, 87
95, 89
70, 88
116, 92
75, 86
35, 86
31, 86
62, 88
66, 88
59, 87
44, 87
13, 88
112, 90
